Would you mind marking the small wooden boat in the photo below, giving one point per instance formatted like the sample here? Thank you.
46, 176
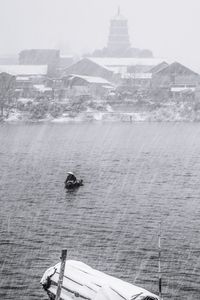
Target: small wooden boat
83, 282
70, 185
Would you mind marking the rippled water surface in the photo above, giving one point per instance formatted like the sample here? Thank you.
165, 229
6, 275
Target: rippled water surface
135, 176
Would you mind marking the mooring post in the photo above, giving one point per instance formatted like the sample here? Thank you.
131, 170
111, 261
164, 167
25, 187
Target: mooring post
62, 270
159, 266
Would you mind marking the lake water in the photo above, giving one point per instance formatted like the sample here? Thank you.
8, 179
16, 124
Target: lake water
136, 175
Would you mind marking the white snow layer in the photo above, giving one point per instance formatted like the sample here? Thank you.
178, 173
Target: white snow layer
86, 282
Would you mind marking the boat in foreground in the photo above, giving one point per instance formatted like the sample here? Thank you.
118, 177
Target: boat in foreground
70, 185
80, 281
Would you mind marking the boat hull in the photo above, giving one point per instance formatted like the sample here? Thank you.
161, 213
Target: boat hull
83, 282
70, 185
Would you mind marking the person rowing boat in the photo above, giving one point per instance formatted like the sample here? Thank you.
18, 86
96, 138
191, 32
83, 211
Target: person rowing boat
71, 182
71, 177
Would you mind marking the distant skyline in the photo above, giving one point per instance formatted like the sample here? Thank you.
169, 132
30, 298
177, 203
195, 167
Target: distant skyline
169, 28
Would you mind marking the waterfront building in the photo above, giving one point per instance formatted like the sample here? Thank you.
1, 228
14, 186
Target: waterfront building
116, 69
86, 86
26, 77
36, 73
175, 76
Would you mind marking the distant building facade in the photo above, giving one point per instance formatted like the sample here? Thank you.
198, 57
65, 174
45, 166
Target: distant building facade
50, 57
118, 40
118, 44
39, 57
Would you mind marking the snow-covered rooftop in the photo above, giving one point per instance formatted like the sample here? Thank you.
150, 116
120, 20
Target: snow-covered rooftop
21, 70
42, 88
125, 61
91, 79
22, 78
138, 75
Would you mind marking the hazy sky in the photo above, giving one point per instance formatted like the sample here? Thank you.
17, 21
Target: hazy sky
170, 28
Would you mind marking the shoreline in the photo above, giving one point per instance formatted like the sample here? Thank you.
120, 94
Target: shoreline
123, 117
100, 111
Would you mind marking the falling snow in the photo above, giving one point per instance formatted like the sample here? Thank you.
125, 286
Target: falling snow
136, 175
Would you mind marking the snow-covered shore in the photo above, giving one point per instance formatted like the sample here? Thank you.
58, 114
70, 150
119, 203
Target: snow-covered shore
159, 115
148, 111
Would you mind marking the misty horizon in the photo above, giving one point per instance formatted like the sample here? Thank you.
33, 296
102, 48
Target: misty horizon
169, 29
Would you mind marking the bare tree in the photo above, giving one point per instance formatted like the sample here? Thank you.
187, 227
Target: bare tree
7, 85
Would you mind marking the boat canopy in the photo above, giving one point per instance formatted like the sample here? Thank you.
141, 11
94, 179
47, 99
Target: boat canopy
84, 282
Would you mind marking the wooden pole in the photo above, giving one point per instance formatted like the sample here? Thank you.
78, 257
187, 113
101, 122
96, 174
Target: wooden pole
159, 265
62, 269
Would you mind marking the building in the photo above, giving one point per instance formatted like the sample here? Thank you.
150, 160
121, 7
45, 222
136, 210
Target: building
33, 71
139, 75
158, 67
119, 44
39, 57
119, 70
89, 67
86, 86
41, 90
118, 39
175, 76
26, 77
137, 80
49, 57
125, 66
66, 61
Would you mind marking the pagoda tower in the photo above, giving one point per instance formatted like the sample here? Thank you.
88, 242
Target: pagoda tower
118, 39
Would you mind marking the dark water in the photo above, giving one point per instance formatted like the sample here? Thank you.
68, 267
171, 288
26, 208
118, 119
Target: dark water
135, 176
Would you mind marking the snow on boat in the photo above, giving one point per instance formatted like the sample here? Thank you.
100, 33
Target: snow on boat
83, 282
